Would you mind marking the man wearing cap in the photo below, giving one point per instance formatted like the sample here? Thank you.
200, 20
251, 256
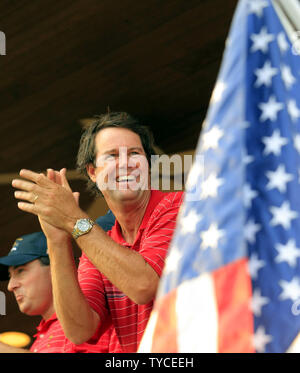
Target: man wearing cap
28, 271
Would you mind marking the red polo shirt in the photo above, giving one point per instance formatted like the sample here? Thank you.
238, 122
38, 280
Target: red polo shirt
152, 242
49, 337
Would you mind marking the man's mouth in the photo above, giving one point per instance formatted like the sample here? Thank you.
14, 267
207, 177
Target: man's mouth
125, 178
19, 297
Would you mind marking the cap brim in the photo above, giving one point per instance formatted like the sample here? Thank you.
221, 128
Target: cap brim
13, 260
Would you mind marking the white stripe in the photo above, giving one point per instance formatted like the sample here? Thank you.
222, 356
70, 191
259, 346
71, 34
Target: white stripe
146, 342
197, 316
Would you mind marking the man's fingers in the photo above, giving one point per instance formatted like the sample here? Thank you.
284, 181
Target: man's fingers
23, 185
26, 196
37, 178
64, 180
28, 207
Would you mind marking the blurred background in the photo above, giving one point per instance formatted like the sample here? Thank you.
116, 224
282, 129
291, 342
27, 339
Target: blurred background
67, 61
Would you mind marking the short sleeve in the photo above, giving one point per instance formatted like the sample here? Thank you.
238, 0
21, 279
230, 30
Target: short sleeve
159, 231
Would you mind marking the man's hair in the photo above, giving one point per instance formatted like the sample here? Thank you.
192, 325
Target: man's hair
44, 260
87, 152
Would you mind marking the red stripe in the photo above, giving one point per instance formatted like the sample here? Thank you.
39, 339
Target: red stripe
233, 293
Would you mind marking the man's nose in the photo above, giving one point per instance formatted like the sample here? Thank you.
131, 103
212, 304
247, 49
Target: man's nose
123, 158
12, 284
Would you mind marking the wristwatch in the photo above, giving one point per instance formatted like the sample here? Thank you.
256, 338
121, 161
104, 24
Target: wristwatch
82, 226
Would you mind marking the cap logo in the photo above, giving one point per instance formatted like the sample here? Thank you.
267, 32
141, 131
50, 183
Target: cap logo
16, 244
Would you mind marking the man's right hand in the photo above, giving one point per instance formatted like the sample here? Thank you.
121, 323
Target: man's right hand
54, 234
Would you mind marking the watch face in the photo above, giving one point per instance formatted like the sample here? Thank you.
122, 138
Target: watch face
83, 225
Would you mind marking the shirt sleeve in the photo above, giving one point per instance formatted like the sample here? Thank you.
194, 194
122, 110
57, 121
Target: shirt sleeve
159, 231
91, 284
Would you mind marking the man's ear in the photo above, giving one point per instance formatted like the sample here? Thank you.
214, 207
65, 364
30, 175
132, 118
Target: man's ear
90, 169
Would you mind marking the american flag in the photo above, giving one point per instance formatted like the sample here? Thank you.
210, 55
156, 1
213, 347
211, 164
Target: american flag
232, 276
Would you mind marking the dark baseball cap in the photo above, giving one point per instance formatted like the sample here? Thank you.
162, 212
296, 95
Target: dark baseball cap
25, 249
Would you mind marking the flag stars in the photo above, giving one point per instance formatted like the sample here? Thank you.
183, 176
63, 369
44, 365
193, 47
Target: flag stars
270, 109
257, 302
250, 231
282, 42
211, 138
249, 194
288, 253
254, 265
257, 6
290, 289
189, 222
265, 75
278, 179
210, 186
293, 110
210, 238
287, 76
274, 143
173, 260
261, 339
297, 143
283, 215
261, 41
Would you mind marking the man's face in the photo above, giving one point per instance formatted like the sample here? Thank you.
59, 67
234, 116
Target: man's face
121, 170
31, 285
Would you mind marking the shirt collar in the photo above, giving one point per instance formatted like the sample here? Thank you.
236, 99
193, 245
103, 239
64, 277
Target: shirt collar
155, 197
45, 323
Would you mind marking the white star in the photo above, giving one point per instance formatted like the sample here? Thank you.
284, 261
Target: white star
282, 42
261, 339
283, 215
278, 179
246, 159
188, 223
210, 139
288, 253
249, 194
211, 237
196, 173
297, 143
290, 289
261, 40
210, 186
254, 265
172, 260
257, 6
270, 109
250, 231
265, 75
274, 143
257, 302
287, 76
218, 92
293, 110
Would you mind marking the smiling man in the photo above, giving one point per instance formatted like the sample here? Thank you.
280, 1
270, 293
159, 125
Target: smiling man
119, 272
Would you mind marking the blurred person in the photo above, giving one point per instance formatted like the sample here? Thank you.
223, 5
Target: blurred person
119, 272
